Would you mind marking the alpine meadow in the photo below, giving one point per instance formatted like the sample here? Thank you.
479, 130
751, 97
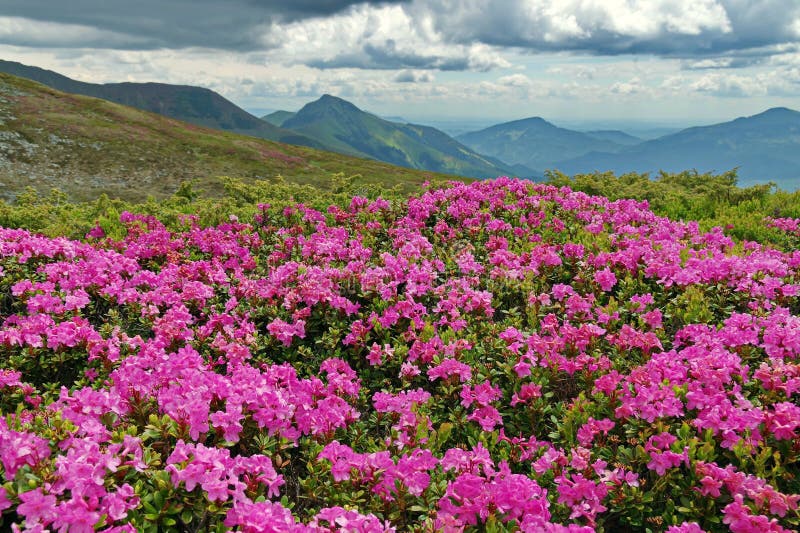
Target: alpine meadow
239, 291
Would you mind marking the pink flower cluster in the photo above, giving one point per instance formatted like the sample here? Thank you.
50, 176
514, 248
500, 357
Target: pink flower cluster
789, 225
498, 352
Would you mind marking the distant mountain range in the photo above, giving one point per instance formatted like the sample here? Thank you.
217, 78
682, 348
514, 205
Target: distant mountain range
329, 124
86, 146
615, 136
536, 143
764, 147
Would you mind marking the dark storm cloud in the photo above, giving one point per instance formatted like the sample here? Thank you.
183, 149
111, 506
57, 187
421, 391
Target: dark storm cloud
679, 28
387, 56
410, 76
299, 9
149, 24
686, 29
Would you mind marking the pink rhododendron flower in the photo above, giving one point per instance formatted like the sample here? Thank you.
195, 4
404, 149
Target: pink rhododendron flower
37, 507
262, 517
285, 331
606, 279
488, 417
526, 393
18, 449
5, 503
450, 367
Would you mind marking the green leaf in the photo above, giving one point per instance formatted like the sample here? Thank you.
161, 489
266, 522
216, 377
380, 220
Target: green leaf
158, 499
442, 434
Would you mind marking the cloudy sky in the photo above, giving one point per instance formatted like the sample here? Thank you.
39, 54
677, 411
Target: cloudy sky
670, 61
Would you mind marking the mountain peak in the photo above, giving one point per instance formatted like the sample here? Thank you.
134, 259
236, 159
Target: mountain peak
779, 112
527, 122
533, 142
324, 108
330, 100
774, 115
343, 127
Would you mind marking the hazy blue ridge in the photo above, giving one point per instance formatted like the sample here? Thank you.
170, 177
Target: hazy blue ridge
534, 143
763, 147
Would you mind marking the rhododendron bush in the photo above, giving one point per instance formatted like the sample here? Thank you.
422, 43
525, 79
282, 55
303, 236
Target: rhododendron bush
496, 356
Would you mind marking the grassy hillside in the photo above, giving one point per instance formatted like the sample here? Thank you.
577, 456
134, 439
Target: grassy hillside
196, 105
86, 146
